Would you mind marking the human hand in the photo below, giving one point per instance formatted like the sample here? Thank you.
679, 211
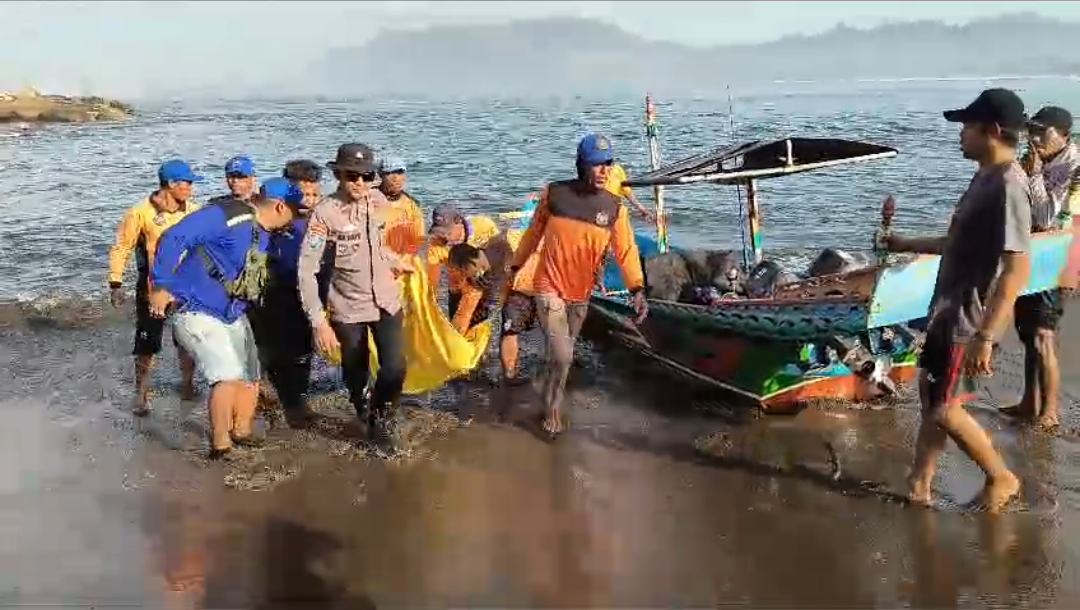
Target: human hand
977, 357
116, 297
160, 300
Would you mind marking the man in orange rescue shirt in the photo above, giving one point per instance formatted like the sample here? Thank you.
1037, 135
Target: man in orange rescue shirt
449, 228
139, 232
404, 233
489, 282
578, 220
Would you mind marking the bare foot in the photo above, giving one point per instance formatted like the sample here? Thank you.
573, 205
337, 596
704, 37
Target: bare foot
1047, 423
140, 406
999, 491
919, 491
553, 423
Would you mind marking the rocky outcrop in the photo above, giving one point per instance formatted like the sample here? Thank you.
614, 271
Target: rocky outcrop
30, 106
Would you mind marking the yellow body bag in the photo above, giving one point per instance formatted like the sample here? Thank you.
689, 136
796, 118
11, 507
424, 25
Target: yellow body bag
435, 352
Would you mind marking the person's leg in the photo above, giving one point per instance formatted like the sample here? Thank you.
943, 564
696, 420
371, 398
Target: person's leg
148, 334
558, 357
208, 340
518, 316
355, 365
1023, 318
389, 381
187, 372
929, 444
288, 362
242, 343
942, 364
1049, 372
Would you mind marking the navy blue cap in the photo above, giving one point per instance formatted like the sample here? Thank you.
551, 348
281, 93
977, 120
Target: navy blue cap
240, 166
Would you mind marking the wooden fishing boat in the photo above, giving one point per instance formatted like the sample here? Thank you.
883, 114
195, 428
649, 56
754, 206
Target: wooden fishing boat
847, 335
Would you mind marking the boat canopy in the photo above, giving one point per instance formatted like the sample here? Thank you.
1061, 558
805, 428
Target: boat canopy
763, 159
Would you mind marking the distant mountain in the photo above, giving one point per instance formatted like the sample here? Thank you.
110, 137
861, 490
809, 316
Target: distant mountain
561, 56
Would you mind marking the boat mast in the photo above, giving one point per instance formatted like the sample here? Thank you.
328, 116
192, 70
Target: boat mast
654, 161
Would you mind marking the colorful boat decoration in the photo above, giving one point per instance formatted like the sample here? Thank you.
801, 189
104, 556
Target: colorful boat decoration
845, 335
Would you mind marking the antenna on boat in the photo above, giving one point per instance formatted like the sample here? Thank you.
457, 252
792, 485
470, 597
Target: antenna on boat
654, 160
738, 191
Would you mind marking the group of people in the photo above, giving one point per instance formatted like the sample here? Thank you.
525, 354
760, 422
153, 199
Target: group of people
985, 265
314, 272
265, 276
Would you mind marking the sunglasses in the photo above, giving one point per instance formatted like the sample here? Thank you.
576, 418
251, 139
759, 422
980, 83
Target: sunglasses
357, 176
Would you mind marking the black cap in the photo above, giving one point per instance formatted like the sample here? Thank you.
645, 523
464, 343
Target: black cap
1053, 116
993, 106
354, 158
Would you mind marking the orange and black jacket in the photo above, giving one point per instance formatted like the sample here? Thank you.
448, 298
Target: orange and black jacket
577, 224
139, 232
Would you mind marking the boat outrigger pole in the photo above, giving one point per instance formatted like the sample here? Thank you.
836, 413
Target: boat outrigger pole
654, 161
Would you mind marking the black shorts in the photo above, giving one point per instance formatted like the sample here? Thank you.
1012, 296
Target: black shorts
480, 314
942, 362
519, 314
148, 329
1039, 311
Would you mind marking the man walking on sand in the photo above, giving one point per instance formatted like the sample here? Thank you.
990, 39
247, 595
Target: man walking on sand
138, 233
985, 263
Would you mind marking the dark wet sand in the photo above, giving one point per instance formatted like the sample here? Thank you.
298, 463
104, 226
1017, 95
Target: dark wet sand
655, 499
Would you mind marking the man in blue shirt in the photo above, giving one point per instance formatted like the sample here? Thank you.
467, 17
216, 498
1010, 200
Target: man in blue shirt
210, 268
282, 331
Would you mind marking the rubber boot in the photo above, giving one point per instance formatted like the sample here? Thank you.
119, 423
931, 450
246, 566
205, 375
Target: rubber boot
387, 428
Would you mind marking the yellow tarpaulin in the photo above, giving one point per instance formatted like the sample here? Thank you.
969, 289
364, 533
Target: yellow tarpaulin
435, 352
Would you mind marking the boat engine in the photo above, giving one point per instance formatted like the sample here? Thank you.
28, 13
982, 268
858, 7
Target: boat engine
835, 260
764, 279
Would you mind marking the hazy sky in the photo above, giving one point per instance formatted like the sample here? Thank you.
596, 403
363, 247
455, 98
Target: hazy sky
135, 49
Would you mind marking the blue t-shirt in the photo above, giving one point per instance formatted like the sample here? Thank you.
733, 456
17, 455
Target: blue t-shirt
225, 232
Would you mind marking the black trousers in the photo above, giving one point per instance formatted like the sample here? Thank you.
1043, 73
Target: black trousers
284, 338
355, 354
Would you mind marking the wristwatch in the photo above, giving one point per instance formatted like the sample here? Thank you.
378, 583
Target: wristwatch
984, 337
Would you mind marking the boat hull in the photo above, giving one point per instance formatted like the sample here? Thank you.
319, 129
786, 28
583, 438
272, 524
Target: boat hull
776, 376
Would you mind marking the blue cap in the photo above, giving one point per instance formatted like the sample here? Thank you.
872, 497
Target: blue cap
392, 164
242, 166
282, 189
177, 170
595, 149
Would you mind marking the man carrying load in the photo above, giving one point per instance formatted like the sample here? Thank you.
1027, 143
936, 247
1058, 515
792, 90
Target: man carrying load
364, 296
404, 233
577, 220
139, 232
487, 273
210, 268
449, 228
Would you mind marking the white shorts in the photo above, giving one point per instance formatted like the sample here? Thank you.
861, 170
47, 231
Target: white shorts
223, 352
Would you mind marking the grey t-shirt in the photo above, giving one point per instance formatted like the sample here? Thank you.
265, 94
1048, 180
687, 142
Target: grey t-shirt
993, 217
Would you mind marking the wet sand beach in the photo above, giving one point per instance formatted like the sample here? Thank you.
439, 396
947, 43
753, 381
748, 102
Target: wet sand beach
659, 497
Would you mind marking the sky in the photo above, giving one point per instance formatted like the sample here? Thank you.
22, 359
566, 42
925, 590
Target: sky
135, 49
